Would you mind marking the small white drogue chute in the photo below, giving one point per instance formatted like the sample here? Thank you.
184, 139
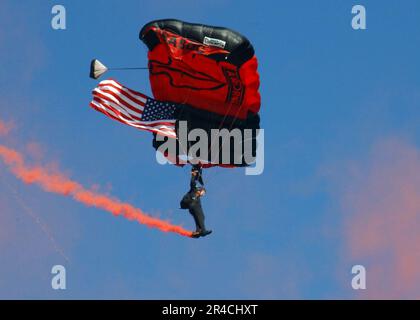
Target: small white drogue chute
97, 69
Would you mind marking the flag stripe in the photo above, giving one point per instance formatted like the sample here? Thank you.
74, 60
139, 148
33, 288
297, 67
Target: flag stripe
140, 96
128, 112
99, 108
125, 99
115, 110
124, 96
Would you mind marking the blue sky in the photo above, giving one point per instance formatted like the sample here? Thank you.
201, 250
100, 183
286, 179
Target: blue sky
330, 96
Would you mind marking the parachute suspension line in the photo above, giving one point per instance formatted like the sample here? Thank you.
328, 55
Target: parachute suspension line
211, 145
182, 111
220, 125
223, 141
134, 68
188, 142
182, 147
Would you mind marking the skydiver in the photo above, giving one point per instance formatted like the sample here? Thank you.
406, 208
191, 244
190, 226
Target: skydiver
192, 202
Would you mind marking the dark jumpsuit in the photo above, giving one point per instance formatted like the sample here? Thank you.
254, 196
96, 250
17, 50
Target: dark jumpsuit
194, 202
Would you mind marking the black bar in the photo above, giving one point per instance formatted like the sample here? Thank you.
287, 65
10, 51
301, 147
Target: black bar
213, 309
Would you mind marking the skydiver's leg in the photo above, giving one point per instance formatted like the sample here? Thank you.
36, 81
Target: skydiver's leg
197, 212
199, 216
196, 218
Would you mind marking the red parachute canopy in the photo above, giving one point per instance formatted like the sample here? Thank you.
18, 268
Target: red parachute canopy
209, 68
211, 73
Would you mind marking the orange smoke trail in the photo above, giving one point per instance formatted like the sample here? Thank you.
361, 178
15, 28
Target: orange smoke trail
58, 183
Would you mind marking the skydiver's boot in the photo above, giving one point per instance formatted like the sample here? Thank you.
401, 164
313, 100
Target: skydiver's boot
204, 233
201, 228
200, 233
196, 234
197, 212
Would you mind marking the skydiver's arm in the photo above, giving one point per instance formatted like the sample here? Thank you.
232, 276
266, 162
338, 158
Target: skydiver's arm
200, 179
193, 182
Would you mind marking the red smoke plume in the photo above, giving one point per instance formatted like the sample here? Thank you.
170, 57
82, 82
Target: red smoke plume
382, 225
58, 183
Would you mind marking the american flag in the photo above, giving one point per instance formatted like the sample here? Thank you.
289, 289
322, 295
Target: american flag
134, 108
